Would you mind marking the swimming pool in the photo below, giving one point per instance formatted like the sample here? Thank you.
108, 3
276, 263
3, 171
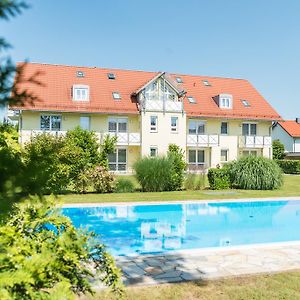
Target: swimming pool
159, 228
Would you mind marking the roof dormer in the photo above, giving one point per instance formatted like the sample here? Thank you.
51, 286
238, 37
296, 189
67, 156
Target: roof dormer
225, 101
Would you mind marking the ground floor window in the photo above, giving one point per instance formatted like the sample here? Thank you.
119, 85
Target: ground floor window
224, 155
249, 152
85, 122
196, 157
50, 122
117, 161
153, 151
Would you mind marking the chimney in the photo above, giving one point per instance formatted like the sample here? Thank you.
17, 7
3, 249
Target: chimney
298, 120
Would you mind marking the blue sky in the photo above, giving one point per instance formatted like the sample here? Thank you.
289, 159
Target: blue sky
254, 39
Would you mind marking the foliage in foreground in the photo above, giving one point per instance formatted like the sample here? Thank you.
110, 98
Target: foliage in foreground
219, 178
195, 181
43, 256
255, 173
124, 185
289, 166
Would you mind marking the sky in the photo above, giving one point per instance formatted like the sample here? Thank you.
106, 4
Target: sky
258, 40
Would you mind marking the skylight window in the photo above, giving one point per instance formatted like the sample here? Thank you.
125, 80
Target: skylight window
206, 83
116, 95
245, 103
111, 76
192, 99
179, 80
80, 74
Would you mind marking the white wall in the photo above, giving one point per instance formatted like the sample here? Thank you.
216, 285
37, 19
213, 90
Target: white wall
297, 145
163, 137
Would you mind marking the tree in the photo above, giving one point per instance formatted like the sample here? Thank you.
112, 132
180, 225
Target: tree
278, 149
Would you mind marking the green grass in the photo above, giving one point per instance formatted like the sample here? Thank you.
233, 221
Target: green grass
263, 287
290, 188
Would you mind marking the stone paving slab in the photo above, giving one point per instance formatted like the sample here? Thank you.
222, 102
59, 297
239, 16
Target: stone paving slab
208, 264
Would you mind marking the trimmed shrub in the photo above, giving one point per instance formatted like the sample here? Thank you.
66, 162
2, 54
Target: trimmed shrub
153, 173
255, 173
179, 165
219, 179
278, 149
124, 185
289, 166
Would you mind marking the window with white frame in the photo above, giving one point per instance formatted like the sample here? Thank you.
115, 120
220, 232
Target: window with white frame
249, 129
160, 90
153, 151
117, 124
225, 101
196, 157
85, 122
117, 161
116, 95
50, 122
174, 124
153, 124
196, 127
224, 155
224, 128
249, 152
81, 92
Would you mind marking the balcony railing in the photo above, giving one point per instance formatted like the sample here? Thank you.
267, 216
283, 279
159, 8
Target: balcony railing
159, 105
126, 138
202, 140
255, 141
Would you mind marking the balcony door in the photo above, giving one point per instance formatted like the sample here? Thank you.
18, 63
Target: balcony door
117, 161
249, 129
118, 125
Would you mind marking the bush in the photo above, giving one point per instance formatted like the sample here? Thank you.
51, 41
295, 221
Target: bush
195, 181
278, 149
179, 165
153, 173
289, 166
124, 185
43, 256
218, 179
255, 173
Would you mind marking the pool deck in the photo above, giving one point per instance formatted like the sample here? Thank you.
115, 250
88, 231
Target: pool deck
209, 264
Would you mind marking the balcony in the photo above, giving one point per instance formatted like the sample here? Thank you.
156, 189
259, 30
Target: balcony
166, 105
26, 135
255, 141
125, 138
202, 140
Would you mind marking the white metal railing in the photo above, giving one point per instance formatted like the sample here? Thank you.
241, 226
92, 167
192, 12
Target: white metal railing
167, 105
255, 141
202, 140
126, 138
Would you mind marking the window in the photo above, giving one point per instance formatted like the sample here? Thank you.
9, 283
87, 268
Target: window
206, 83
174, 124
196, 127
50, 122
111, 76
249, 129
246, 103
179, 80
117, 161
85, 123
117, 124
160, 90
224, 128
80, 74
80, 93
192, 99
196, 157
225, 101
116, 95
153, 124
249, 152
153, 151
224, 155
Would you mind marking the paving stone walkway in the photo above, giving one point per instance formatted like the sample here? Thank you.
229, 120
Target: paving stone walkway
208, 264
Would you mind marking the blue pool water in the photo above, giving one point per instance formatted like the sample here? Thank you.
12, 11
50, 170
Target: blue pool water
141, 229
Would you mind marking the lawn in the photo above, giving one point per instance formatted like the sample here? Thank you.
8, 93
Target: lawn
262, 287
290, 188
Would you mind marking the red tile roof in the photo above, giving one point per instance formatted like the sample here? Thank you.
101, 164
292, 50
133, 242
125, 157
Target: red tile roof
56, 95
291, 127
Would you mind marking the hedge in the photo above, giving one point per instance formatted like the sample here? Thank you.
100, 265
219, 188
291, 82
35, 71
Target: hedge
289, 166
218, 179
